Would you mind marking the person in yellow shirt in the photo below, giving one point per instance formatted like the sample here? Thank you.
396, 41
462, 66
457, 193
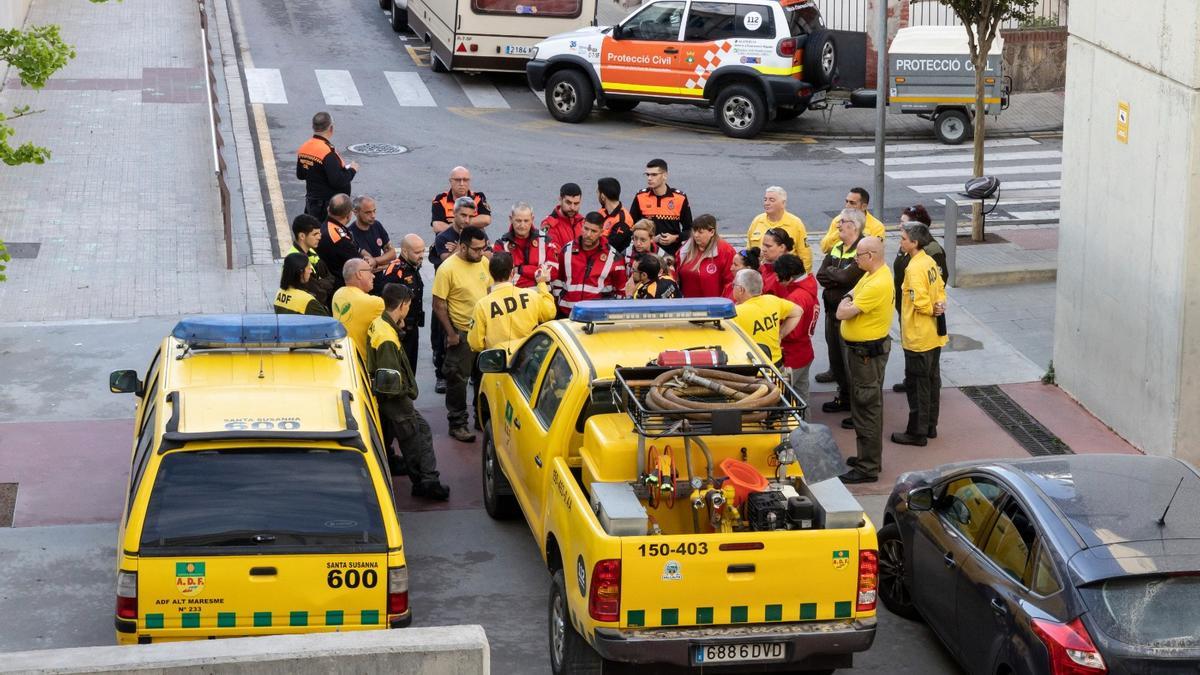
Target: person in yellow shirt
352, 304
509, 313
866, 316
459, 284
922, 335
767, 319
292, 298
775, 214
858, 198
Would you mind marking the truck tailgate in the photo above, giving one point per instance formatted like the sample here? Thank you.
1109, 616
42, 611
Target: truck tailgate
738, 578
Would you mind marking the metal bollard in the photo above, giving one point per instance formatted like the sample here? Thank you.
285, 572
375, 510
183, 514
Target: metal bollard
950, 239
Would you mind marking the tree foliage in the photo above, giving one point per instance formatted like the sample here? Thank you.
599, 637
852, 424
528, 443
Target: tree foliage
982, 20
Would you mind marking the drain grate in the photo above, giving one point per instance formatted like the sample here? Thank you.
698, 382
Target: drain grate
1025, 430
23, 250
8, 503
377, 149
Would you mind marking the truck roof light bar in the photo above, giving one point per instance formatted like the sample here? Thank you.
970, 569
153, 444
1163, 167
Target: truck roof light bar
258, 330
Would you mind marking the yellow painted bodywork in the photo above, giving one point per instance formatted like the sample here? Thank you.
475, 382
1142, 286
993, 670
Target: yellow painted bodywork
807, 575
245, 390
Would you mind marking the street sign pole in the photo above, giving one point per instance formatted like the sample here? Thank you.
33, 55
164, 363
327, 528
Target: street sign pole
881, 97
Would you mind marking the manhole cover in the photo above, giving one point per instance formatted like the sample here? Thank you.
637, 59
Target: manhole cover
377, 149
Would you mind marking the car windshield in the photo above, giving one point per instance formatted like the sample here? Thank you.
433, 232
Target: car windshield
240, 498
1152, 611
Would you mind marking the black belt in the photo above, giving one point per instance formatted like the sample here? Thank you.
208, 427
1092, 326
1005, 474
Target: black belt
870, 348
868, 343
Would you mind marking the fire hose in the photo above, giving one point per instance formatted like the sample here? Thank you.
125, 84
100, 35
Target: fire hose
677, 390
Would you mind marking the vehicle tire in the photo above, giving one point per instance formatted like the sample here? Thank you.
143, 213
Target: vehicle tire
385, 4
399, 16
498, 506
787, 114
569, 96
569, 652
820, 59
621, 105
740, 111
893, 577
952, 127
436, 64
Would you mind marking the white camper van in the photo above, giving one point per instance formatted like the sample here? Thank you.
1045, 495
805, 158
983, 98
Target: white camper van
492, 35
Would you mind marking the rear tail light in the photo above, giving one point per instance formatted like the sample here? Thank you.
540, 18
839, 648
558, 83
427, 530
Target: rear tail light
604, 600
1072, 651
397, 590
787, 47
868, 580
127, 595
742, 546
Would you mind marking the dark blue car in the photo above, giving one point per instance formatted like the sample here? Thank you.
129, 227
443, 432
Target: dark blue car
1075, 564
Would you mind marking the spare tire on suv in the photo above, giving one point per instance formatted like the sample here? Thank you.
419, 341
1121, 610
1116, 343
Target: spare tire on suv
820, 59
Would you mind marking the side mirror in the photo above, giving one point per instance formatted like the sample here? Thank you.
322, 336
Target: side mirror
920, 499
124, 382
387, 381
493, 361
617, 32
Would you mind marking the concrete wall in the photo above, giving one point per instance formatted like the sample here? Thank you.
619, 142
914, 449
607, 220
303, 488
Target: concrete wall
1035, 58
1127, 330
445, 650
12, 13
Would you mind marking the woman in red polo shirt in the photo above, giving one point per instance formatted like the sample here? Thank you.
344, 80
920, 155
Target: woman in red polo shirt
703, 262
775, 244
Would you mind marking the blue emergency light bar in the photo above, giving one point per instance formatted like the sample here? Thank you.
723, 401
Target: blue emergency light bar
258, 330
676, 309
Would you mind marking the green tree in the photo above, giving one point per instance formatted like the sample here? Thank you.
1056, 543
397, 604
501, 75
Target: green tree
35, 53
982, 19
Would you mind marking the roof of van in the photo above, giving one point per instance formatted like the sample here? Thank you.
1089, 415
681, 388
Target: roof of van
937, 40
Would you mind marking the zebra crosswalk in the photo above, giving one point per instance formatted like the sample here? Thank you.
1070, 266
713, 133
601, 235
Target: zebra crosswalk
420, 89
1022, 164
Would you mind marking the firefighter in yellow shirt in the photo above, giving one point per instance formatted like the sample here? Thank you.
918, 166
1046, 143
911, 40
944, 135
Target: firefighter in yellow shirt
353, 306
857, 198
509, 313
775, 214
922, 334
767, 319
459, 284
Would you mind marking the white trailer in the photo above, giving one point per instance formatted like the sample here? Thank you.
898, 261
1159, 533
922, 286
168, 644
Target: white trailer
492, 35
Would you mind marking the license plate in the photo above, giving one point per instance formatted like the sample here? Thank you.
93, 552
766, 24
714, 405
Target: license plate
739, 653
817, 97
518, 50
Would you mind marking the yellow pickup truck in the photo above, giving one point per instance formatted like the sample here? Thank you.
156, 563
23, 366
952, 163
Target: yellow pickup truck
648, 444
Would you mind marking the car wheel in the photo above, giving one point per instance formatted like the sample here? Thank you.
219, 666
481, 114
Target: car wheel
952, 127
399, 16
820, 59
621, 105
437, 65
569, 652
498, 506
385, 4
569, 96
893, 577
740, 111
787, 114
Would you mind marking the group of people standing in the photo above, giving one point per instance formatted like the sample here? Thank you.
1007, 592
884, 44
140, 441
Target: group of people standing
487, 293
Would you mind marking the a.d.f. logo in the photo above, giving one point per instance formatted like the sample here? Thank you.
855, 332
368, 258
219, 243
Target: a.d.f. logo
189, 577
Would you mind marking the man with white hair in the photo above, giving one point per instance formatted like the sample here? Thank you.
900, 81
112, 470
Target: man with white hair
775, 214
765, 318
443, 204
531, 248
354, 306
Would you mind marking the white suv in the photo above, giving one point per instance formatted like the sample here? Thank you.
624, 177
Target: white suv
750, 60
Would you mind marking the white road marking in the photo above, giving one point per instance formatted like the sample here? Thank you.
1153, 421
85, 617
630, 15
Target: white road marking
955, 188
409, 89
480, 92
969, 157
1035, 215
1051, 198
337, 86
265, 85
966, 171
927, 147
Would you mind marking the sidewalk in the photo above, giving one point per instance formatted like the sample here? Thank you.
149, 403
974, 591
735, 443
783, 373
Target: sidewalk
90, 229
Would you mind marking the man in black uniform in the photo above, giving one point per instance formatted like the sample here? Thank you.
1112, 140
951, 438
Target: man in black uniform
667, 207
321, 168
371, 239
647, 283
336, 245
406, 270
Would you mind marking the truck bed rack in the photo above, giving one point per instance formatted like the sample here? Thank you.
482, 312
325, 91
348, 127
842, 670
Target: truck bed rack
632, 385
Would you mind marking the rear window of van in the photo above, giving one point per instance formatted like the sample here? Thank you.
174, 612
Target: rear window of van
241, 499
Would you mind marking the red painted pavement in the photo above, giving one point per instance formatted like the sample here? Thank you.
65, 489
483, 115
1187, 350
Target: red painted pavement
1068, 420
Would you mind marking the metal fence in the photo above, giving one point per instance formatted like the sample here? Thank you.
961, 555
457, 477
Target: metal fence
851, 15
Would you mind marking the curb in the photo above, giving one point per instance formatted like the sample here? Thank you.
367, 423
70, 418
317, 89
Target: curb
1004, 276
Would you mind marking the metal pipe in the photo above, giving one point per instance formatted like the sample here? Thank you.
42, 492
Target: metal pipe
881, 96
950, 239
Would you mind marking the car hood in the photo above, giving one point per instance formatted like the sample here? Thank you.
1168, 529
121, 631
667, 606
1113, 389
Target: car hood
1134, 558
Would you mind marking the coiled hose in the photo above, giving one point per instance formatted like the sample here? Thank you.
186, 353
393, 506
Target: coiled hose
677, 390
